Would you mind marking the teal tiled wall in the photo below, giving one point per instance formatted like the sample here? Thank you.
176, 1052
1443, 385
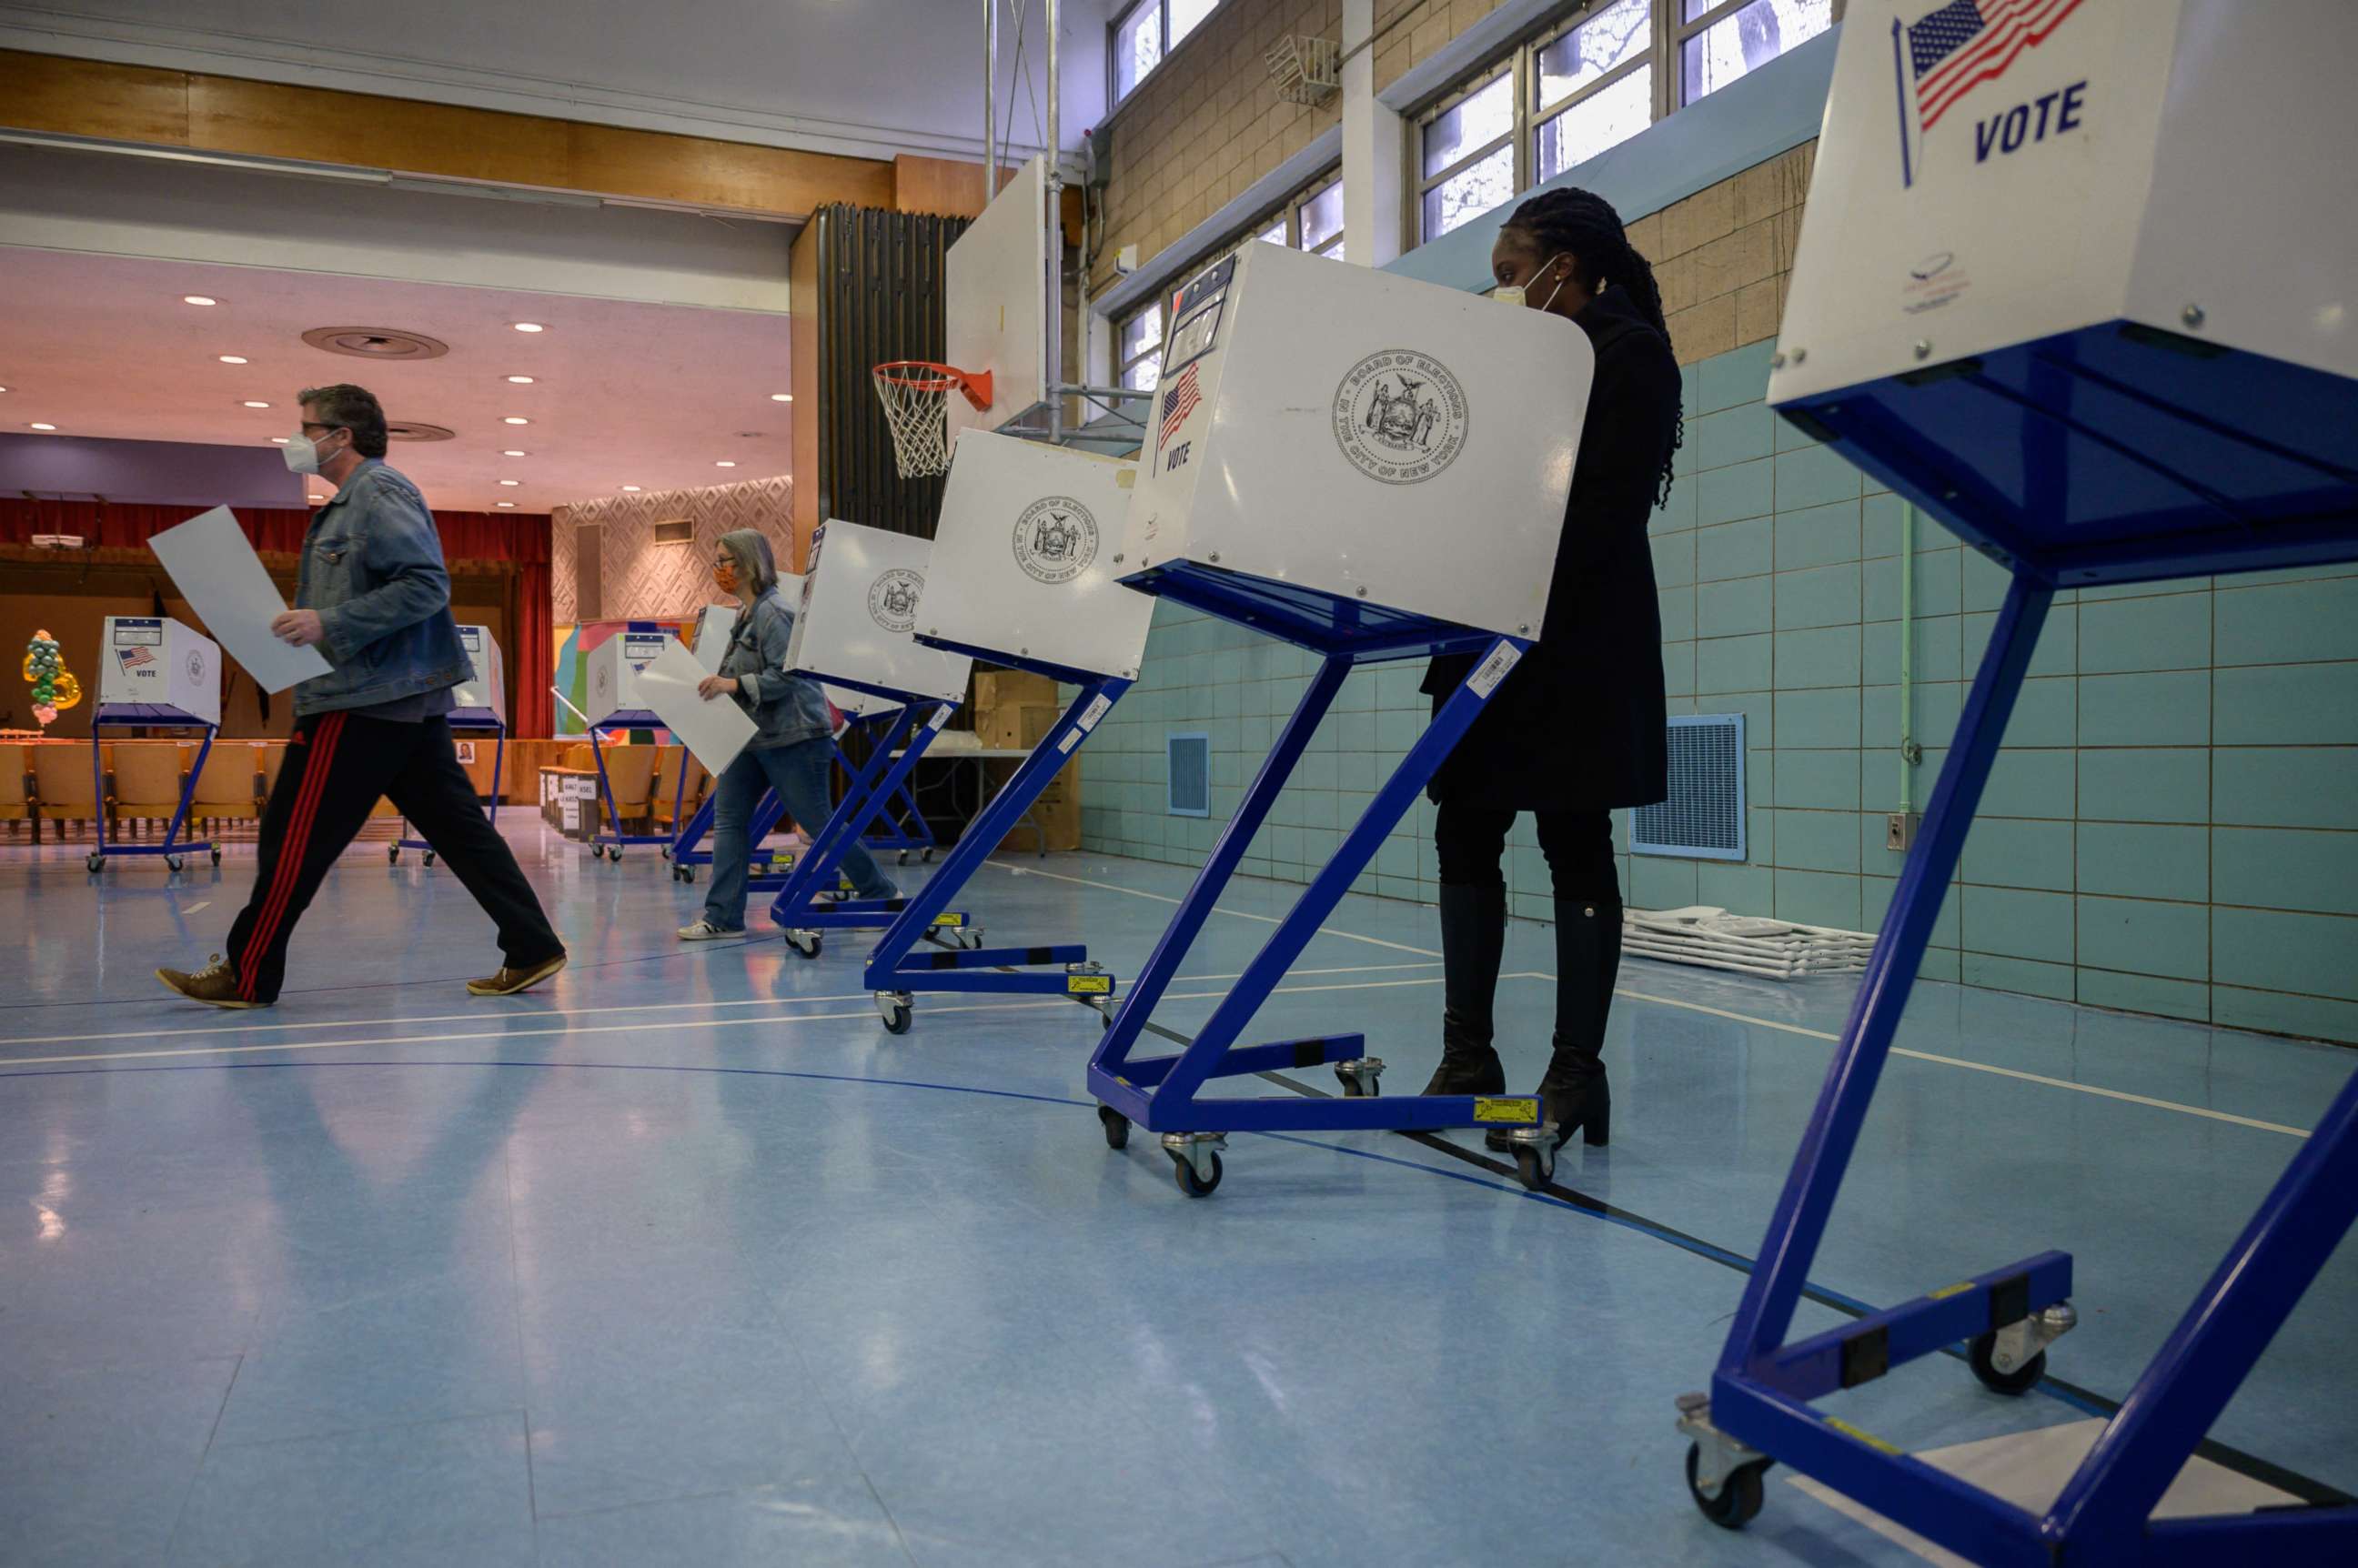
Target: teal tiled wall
2171, 828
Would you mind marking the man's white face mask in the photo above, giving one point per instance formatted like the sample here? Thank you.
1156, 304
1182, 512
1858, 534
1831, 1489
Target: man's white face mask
302, 454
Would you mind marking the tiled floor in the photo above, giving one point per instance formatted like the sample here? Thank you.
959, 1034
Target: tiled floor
684, 1260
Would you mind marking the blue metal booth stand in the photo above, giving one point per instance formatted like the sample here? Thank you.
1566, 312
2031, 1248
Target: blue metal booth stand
2114, 452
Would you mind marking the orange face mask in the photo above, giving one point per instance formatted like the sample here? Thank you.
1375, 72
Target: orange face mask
724, 577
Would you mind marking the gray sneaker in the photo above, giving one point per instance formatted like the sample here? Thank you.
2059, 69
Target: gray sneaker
703, 930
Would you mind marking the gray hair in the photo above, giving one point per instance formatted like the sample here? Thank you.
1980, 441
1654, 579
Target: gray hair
756, 566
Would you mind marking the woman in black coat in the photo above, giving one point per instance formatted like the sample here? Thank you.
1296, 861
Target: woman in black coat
1578, 728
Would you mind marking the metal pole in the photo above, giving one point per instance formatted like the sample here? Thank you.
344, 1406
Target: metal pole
989, 100
1054, 378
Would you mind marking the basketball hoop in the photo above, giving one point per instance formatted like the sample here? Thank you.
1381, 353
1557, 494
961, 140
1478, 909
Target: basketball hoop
915, 394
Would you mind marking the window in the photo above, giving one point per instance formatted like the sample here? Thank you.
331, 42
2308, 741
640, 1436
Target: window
1587, 79
1146, 33
1318, 221
1140, 349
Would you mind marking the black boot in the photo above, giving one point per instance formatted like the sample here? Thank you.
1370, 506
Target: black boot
1574, 1094
1473, 939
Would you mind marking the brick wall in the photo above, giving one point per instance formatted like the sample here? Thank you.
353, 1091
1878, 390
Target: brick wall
1206, 125
1723, 254
1410, 32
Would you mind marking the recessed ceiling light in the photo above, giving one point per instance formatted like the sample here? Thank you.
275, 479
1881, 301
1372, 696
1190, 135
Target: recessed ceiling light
2, 389
530, 327
317, 500
521, 380
724, 463
503, 503
781, 397
513, 452
630, 487
281, 440
511, 481
250, 403
199, 299
515, 419
232, 359
41, 426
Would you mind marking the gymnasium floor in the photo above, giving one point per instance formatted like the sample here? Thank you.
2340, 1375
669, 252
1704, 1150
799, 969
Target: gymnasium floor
684, 1260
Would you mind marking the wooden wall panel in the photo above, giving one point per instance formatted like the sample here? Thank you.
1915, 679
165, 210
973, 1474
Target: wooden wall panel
229, 115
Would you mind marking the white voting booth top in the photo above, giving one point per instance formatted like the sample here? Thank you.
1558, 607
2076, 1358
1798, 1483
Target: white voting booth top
1024, 558
859, 609
712, 627
615, 667
1366, 436
153, 662
2130, 164
483, 699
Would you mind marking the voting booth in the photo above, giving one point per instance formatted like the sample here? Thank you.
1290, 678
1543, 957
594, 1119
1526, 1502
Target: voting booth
1372, 469
860, 606
154, 673
480, 708
1022, 576
615, 704
2072, 281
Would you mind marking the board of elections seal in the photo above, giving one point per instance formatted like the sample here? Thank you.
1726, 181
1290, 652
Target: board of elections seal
1400, 416
1056, 539
892, 599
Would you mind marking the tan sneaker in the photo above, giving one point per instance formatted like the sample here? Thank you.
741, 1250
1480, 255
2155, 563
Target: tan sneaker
215, 985
508, 982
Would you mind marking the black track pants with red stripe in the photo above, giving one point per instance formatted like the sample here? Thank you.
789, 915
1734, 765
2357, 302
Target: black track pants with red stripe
338, 764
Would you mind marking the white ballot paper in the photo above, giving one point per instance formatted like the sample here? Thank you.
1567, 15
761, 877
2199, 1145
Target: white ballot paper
231, 591
716, 731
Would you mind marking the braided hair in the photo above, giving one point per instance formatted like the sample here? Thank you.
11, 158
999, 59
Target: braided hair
1584, 224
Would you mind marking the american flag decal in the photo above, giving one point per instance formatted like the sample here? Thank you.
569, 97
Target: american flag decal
1950, 51
134, 658
1177, 404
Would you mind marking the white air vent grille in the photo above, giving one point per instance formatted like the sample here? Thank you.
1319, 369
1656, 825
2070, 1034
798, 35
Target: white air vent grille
675, 531
1704, 817
1191, 775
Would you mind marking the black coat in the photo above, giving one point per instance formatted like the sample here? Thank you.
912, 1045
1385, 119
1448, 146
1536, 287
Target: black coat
1578, 725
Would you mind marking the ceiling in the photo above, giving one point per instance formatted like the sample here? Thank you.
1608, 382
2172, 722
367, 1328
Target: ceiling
866, 77
624, 393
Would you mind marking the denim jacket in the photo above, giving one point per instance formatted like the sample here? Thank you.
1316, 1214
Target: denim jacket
785, 707
373, 569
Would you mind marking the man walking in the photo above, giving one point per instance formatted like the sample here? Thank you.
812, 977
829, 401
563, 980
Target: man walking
372, 590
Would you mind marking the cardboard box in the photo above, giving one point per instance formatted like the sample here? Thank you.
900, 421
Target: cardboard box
1057, 810
1015, 726
1005, 689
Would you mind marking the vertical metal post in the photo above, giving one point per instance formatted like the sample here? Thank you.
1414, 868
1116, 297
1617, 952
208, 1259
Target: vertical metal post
1054, 377
989, 100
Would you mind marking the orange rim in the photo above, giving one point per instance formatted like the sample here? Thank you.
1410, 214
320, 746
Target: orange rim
931, 376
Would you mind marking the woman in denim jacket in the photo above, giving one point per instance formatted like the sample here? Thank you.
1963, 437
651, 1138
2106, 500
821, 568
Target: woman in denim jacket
790, 751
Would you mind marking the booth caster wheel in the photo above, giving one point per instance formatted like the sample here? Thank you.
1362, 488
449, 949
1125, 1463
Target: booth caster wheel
1115, 1125
171, 862
1981, 1357
1534, 1158
1195, 1160
902, 859
1739, 1498
806, 942
1105, 1018
1361, 1079
926, 856
429, 856
969, 937
96, 862
393, 855
896, 1009
216, 853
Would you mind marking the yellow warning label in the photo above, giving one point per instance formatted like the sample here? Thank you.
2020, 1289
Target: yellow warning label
952, 920
1089, 985
1485, 1109
1945, 1291
1867, 1437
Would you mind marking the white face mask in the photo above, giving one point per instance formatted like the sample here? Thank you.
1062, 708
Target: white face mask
1513, 293
302, 453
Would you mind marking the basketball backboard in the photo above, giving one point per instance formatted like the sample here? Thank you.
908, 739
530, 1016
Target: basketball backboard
995, 297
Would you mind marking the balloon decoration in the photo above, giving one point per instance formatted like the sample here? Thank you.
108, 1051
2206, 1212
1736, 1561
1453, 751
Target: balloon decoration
54, 686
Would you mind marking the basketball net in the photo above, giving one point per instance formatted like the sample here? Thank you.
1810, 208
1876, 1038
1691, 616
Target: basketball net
915, 396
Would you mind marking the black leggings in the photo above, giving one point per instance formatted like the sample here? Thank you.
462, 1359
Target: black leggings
1472, 839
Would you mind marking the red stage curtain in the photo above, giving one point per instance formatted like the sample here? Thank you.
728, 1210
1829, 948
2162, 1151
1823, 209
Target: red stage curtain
466, 536
531, 651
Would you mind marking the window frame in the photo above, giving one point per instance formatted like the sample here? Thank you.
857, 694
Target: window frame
1115, 97
1668, 34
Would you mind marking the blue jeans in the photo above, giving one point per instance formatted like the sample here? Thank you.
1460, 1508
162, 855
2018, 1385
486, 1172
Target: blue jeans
799, 773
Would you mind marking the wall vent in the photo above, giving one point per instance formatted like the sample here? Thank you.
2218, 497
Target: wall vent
1191, 775
676, 531
1702, 819
588, 574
